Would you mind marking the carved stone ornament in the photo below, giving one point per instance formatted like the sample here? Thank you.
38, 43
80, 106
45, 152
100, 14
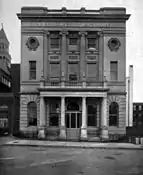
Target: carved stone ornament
32, 43
114, 44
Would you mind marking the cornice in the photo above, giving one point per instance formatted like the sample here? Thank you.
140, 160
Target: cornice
29, 93
117, 93
72, 17
74, 89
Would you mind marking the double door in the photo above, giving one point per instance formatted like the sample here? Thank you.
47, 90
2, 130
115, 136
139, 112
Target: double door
73, 124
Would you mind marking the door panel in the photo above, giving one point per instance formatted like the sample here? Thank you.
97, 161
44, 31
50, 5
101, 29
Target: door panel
73, 120
73, 123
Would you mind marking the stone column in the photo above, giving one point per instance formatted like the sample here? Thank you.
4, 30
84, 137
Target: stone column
62, 126
82, 57
41, 134
64, 33
104, 125
84, 120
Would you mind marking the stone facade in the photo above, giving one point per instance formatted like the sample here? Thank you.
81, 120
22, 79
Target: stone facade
73, 69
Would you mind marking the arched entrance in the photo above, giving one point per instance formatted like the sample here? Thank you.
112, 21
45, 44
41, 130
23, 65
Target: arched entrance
73, 121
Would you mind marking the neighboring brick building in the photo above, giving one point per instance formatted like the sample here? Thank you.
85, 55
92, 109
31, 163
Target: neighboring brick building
9, 101
73, 73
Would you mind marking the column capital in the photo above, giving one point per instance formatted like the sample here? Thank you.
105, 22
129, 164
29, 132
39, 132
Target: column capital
46, 33
100, 34
64, 32
84, 97
63, 97
82, 33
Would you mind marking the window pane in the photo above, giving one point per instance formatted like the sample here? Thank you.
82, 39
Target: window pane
55, 43
113, 120
67, 120
54, 70
73, 120
113, 114
113, 70
73, 71
79, 120
73, 41
32, 64
92, 70
32, 69
91, 43
32, 74
32, 113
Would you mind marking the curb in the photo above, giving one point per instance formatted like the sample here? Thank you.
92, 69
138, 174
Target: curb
73, 146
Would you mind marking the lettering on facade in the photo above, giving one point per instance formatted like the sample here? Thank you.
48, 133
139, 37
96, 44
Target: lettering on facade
64, 25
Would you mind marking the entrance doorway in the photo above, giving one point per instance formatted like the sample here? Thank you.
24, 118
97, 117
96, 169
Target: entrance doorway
73, 121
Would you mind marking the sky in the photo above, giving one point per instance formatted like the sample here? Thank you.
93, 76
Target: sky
134, 26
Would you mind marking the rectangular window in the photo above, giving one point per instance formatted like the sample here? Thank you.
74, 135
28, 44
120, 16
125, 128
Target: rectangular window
134, 107
92, 71
73, 41
55, 43
73, 71
32, 70
114, 70
140, 107
54, 70
91, 43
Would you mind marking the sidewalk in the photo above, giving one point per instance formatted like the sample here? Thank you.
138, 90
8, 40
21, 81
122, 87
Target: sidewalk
39, 143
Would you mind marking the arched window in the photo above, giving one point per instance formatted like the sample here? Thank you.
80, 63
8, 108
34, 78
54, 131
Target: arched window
32, 114
113, 114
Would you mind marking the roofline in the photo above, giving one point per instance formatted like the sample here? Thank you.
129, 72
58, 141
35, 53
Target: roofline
45, 13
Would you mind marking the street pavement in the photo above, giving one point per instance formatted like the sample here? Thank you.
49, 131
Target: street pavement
88, 145
15, 160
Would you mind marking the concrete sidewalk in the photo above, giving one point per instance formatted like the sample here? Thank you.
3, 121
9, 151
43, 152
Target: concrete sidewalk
39, 143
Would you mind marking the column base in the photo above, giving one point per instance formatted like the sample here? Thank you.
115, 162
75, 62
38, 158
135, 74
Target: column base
62, 133
83, 134
104, 134
41, 133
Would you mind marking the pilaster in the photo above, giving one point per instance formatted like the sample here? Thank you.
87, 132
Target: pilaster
62, 124
84, 120
41, 133
63, 33
104, 125
82, 55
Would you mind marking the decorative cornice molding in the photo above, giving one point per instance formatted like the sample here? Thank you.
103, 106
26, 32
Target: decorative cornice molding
29, 93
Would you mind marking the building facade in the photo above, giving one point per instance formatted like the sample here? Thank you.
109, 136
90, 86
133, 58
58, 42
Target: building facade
73, 73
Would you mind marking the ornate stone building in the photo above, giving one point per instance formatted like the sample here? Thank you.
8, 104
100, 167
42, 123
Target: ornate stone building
9, 99
73, 73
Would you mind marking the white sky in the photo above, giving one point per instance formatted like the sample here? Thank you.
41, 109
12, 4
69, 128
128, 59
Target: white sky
134, 45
